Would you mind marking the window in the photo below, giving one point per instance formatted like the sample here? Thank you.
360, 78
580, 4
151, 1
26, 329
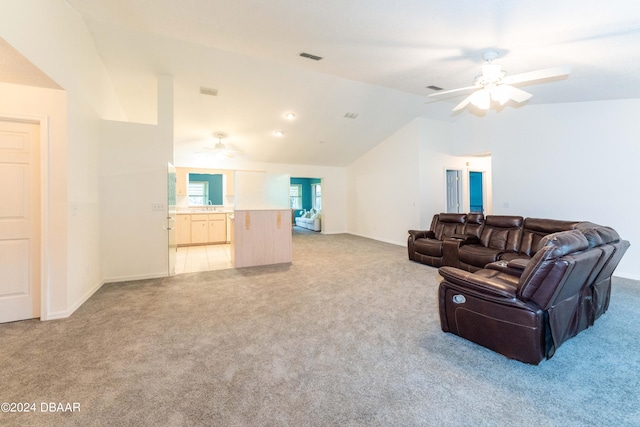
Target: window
295, 196
198, 193
316, 191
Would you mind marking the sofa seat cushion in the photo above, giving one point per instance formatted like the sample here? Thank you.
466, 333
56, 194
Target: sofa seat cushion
510, 256
478, 255
431, 247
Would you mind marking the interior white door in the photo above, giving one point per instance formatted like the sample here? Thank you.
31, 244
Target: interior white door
19, 220
454, 188
171, 218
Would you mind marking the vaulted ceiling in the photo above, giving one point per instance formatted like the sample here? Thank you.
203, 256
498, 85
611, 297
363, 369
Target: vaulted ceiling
378, 57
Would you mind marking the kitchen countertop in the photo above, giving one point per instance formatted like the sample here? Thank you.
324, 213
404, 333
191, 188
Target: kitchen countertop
203, 211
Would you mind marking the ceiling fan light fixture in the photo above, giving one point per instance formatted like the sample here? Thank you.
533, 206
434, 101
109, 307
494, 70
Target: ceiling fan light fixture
481, 99
219, 150
492, 73
501, 94
220, 155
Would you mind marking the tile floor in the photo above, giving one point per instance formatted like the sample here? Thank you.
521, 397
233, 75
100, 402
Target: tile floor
191, 259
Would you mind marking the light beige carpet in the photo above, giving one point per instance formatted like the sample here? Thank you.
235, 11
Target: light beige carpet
347, 335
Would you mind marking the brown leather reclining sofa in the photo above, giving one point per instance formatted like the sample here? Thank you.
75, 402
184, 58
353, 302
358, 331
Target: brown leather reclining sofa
544, 282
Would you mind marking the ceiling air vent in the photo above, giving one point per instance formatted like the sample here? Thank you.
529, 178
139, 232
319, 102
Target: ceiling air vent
432, 87
310, 56
209, 91
351, 115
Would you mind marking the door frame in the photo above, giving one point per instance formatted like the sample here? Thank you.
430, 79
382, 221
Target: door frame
483, 175
44, 141
459, 188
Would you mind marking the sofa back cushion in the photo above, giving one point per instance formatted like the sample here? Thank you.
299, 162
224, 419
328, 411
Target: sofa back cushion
536, 228
473, 224
502, 232
449, 224
559, 269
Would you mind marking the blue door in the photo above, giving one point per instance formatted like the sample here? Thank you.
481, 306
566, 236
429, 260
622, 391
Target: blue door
475, 192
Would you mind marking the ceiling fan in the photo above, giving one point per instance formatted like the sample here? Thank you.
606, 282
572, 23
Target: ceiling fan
220, 151
493, 85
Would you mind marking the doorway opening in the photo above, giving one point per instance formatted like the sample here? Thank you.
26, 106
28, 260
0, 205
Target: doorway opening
305, 200
468, 185
476, 192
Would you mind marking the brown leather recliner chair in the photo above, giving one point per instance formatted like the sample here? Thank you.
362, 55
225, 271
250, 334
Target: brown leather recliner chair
500, 234
600, 284
426, 247
527, 317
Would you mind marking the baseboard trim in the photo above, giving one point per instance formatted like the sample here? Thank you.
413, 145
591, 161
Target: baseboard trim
66, 313
379, 239
119, 279
627, 276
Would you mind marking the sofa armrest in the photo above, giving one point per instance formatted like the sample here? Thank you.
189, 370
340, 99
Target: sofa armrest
421, 234
519, 263
468, 239
478, 283
514, 267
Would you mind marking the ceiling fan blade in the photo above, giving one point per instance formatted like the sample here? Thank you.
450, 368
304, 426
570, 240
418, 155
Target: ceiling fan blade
463, 104
546, 73
452, 91
519, 95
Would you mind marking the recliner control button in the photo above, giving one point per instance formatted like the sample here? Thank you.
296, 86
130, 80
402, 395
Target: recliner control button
459, 299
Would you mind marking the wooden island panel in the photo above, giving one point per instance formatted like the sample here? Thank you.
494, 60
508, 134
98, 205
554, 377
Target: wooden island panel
261, 237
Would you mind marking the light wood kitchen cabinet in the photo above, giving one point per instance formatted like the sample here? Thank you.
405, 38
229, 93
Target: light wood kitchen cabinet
199, 229
184, 229
217, 228
202, 228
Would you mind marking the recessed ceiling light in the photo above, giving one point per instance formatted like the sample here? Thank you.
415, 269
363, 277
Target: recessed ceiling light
278, 133
290, 116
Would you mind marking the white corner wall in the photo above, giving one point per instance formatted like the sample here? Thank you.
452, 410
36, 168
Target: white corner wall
574, 161
400, 184
383, 187
54, 38
133, 177
133, 180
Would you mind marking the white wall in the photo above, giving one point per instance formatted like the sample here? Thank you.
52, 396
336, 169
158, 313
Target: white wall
133, 176
574, 161
133, 179
400, 184
54, 38
384, 187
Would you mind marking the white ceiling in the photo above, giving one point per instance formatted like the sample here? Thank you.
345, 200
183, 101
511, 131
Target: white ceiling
16, 69
378, 58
